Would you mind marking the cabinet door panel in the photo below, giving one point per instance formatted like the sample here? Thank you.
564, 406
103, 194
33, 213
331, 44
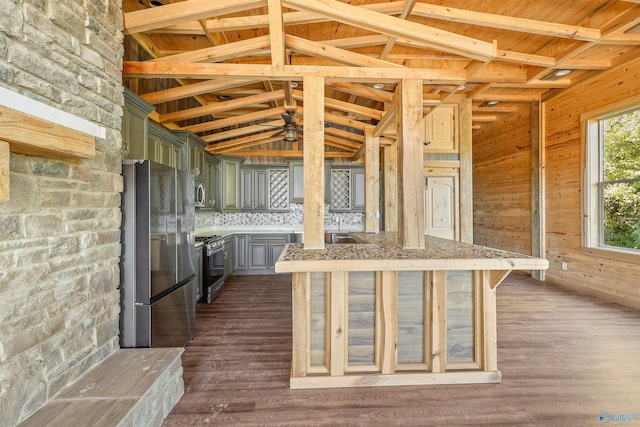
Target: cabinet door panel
297, 183
241, 252
441, 207
258, 255
440, 130
230, 189
260, 189
246, 189
358, 189
274, 254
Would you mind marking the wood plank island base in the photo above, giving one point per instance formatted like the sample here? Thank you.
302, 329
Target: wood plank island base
375, 314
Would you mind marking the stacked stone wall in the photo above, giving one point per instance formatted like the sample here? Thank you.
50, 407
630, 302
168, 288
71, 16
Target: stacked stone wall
60, 230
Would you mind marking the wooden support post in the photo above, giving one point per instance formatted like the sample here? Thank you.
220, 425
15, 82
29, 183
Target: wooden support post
338, 319
4, 171
389, 325
276, 34
466, 172
436, 322
390, 176
537, 187
313, 161
301, 320
372, 182
410, 162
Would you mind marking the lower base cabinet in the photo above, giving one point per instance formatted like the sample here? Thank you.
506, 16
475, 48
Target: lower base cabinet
258, 253
229, 255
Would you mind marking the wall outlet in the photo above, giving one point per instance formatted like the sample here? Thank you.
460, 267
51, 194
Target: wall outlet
565, 266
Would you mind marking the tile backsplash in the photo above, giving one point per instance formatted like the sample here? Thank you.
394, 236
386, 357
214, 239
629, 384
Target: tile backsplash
293, 217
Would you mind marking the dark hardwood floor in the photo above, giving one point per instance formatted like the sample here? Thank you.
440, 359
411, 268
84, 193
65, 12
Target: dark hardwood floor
566, 359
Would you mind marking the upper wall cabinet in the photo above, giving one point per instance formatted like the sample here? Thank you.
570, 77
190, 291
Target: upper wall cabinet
265, 188
134, 126
165, 148
195, 152
440, 130
296, 188
347, 189
229, 184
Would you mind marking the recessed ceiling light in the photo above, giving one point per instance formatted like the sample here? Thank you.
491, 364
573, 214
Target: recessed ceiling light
561, 73
461, 87
492, 103
378, 86
294, 85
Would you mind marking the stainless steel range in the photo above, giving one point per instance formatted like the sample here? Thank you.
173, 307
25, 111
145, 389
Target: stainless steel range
213, 267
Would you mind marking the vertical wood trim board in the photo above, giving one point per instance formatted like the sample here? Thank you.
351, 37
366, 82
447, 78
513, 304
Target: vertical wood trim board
466, 171
389, 308
537, 187
313, 162
372, 182
338, 337
437, 321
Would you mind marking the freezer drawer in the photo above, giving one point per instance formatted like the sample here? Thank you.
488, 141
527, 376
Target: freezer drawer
168, 322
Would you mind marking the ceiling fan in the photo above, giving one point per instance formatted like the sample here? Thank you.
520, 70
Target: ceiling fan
290, 129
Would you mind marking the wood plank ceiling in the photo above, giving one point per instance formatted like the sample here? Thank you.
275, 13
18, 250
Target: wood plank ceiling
228, 69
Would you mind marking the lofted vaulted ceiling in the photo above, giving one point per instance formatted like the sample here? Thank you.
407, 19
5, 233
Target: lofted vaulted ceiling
229, 69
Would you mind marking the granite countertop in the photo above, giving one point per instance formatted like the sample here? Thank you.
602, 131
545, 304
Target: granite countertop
225, 231
381, 252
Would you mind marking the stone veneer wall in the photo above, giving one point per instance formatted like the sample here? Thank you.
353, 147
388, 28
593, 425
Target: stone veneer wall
59, 232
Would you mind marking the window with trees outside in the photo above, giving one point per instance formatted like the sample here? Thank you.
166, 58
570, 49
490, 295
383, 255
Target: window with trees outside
613, 183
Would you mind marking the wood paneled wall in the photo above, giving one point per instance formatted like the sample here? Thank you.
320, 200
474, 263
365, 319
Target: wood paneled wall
502, 183
614, 280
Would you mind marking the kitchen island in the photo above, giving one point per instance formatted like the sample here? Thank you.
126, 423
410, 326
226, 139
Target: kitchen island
375, 314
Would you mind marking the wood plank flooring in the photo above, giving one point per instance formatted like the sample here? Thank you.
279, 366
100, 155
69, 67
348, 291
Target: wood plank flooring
566, 359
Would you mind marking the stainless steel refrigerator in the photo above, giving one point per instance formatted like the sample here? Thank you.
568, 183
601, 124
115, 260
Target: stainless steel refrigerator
157, 265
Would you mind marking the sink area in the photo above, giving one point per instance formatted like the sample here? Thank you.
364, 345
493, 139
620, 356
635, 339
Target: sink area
339, 238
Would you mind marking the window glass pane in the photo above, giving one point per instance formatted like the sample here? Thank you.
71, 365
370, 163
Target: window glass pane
620, 201
621, 139
621, 206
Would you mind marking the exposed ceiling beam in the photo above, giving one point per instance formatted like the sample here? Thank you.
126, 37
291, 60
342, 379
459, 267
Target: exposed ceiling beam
241, 23
345, 106
246, 130
221, 106
287, 153
248, 47
291, 72
193, 89
392, 26
505, 22
388, 118
616, 24
175, 13
408, 6
364, 91
252, 141
237, 120
321, 50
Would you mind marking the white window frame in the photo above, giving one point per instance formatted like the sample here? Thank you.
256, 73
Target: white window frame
592, 233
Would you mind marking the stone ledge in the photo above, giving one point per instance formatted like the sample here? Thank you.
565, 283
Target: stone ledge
132, 387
